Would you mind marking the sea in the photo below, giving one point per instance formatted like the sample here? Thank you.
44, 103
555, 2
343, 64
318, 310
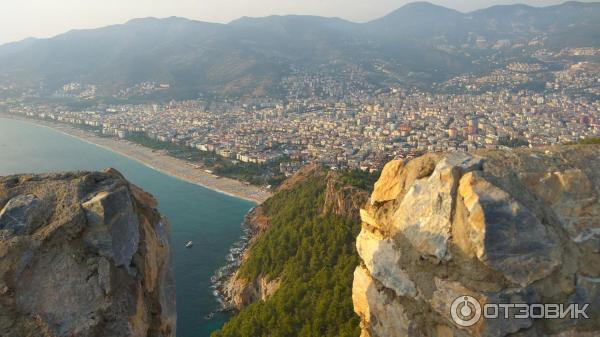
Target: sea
210, 219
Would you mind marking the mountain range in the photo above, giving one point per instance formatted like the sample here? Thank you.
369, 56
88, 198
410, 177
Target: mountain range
418, 44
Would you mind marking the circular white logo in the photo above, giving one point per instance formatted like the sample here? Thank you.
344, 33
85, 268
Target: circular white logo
465, 311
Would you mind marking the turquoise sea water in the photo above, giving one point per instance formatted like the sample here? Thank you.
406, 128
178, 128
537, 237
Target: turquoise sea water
210, 219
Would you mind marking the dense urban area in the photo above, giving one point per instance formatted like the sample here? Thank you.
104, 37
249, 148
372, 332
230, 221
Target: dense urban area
350, 124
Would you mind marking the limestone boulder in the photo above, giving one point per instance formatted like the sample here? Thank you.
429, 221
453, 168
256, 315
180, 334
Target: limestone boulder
380, 313
574, 199
397, 175
448, 291
381, 259
502, 226
83, 254
388, 187
425, 213
503, 233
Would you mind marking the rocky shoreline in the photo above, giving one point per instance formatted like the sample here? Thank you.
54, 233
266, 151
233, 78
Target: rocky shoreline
225, 275
230, 290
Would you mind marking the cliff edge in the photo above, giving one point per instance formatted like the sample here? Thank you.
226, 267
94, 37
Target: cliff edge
518, 226
83, 254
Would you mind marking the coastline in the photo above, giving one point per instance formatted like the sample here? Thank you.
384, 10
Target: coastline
158, 161
230, 290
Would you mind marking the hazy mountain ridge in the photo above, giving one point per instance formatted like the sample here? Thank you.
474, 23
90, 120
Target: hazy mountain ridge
250, 53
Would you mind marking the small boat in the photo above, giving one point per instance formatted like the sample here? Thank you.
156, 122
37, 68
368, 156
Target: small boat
209, 316
189, 244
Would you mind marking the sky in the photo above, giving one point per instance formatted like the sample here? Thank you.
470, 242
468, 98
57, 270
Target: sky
20, 19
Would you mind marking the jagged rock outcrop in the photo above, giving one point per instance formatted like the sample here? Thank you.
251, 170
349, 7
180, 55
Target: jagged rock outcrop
237, 292
519, 226
343, 199
240, 292
83, 254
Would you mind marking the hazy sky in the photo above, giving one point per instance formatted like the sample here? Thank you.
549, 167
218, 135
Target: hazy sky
43, 18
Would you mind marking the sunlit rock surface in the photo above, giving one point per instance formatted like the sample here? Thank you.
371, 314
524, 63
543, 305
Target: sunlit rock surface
518, 226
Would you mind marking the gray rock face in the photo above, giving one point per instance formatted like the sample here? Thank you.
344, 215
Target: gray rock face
519, 226
504, 234
22, 215
84, 255
573, 198
447, 291
113, 225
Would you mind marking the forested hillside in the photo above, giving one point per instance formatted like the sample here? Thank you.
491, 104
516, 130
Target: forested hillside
312, 252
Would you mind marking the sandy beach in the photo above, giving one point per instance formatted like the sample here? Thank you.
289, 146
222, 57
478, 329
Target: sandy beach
160, 161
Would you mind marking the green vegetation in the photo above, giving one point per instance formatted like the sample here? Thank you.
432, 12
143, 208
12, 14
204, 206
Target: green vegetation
535, 85
514, 142
313, 255
255, 174
587, 141
249, 172
174, 149
359, 178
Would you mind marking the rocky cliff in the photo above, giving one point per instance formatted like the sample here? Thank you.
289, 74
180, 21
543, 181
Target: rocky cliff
83, 254
501, 226
338, 198
235, 291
